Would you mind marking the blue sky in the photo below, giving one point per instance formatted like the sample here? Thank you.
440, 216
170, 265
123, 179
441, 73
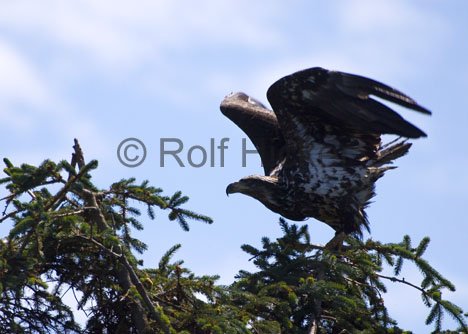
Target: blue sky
102, 71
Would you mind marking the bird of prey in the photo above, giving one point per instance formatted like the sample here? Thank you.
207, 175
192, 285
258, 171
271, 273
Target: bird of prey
321, 147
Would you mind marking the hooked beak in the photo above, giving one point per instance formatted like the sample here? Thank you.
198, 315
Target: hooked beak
231, 188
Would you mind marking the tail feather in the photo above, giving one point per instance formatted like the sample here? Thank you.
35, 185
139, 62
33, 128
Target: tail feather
387, 155
378, 167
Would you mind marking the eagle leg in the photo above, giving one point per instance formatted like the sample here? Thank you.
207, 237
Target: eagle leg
336, 242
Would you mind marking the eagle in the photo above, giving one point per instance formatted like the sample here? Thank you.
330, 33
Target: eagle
321, 146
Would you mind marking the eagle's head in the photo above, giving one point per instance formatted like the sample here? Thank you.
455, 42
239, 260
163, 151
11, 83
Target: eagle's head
266, 190
235, 99
256, 186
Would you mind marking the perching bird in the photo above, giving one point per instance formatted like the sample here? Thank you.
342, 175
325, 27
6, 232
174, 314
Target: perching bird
321, 146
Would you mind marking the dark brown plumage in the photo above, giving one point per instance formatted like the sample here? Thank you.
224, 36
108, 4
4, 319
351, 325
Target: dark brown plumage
320, 147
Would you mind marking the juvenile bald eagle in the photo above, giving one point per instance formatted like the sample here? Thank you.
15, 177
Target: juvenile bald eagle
320, 147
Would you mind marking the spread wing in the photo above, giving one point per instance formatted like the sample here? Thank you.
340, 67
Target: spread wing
260, 125
341, 100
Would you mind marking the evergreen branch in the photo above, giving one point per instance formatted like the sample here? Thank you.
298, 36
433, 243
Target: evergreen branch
422, 246
100, 246
156, 312
455, 312
167, 256
436, 311
80, 307
398, 266
395, 279
317, 314
69, 213
55, 201
11, 214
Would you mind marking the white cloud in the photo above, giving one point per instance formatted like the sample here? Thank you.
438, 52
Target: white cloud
379, 39
20, 86
118, 34
393, 35
117, 40
29, 105
374, 16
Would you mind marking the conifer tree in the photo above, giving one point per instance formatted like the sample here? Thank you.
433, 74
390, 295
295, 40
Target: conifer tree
69, 237
305, 288
78, 239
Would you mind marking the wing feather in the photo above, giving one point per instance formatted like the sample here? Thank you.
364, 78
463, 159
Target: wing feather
342, 100
356, 85
259, 124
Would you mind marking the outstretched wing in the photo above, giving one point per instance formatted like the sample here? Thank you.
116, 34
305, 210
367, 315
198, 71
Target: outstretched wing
341, 100
260, 125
